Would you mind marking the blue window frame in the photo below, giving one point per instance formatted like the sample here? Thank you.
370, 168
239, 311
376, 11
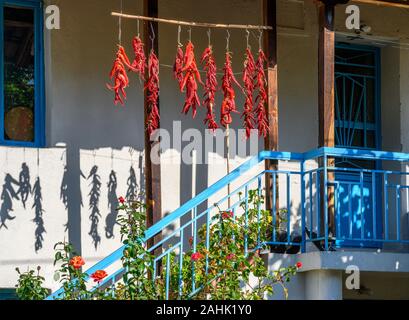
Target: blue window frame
22, 114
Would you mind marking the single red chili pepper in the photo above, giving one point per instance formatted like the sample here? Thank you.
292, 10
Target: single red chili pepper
119, 77
210, 87
139, 63
228, 104
248, 79
262, 97
152, 87
189, 81
178, 66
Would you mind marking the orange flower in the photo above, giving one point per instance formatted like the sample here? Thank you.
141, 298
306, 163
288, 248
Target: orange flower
99, 275
77, 262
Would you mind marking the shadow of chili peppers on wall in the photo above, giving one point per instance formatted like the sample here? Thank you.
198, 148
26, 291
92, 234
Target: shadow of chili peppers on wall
24, 182
38, 219
7, 195
132, 183
94, 196
111, 219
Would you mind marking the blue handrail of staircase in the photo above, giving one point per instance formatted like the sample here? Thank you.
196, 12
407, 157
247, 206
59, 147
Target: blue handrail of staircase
189, 205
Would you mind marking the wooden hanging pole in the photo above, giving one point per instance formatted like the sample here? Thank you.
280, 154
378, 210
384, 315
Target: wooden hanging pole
192, 24
384, 3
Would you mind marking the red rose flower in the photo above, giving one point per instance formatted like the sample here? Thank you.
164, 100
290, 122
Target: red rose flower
196, 256
227, 215
122, 200
231, 256
99, 275
77, 262
299, 265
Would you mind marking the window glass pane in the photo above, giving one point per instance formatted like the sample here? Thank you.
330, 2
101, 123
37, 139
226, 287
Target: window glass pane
19, 82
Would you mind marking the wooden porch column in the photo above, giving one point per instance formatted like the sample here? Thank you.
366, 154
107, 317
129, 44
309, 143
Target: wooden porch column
152, 170
326, 83
271, 141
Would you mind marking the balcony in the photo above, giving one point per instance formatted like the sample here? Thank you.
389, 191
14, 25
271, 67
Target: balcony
349, 198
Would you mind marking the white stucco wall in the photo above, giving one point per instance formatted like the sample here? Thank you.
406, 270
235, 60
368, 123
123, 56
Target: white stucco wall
81, 116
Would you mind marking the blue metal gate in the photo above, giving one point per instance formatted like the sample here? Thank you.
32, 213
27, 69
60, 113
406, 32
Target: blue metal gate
357, 125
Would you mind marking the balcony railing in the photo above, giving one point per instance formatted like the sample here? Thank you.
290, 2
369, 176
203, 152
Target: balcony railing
329, 198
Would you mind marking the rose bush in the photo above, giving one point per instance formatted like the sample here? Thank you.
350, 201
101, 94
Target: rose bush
223, 262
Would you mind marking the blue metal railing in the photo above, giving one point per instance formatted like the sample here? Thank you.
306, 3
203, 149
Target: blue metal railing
353, 193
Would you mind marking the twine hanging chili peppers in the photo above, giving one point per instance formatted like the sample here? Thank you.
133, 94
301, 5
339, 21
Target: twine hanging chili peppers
229, 95
189, 81
210, 87
152, 88
249, 86
139, 63
118, 75
262, 97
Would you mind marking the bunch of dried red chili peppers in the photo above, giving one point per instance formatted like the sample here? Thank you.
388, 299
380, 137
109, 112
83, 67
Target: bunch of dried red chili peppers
152, 87
249, 87
187, 74
210, 87
190, 79
262, 97
119, 77
229, 95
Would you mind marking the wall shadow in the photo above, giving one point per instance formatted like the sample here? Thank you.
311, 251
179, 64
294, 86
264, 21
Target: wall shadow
132, 183
7, 195
94, 196
111, 219
38, 219
70, 195
24, 184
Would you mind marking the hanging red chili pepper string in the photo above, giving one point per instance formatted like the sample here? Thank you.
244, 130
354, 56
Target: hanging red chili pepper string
210, 86
229, 95
178, 65
152, 88
118, 76
139, 63
189, 81
249, 86
262, 97
118, 72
